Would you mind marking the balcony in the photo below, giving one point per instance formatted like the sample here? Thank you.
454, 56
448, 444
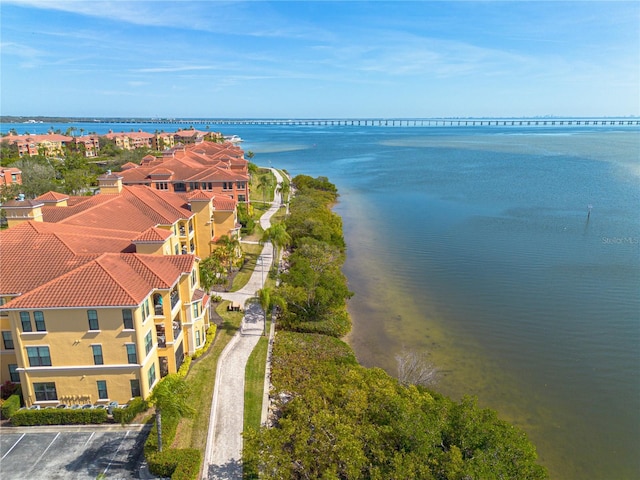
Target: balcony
177, 328
162, 336
175, 298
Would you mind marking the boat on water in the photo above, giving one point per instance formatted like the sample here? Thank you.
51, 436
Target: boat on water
232, 138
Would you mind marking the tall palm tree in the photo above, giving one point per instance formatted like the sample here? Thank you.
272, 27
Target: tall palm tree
278, 236
263, 183
264, 295
170, 397
231, 246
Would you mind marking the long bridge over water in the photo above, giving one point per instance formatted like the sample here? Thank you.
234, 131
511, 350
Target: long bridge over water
407, 122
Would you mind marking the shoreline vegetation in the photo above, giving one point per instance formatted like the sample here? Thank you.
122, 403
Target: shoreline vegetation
331, 417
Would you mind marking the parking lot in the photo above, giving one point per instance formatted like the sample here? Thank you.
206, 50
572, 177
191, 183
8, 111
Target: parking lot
78, 452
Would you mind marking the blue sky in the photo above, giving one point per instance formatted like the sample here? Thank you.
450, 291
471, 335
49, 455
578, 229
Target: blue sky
319, 59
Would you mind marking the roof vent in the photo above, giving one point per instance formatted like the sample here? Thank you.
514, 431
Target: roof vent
109, 172
21, 197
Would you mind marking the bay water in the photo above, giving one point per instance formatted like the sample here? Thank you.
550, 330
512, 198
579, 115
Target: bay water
509, 255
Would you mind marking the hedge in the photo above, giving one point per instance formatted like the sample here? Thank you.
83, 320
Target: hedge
58, 416
10, 406
211, 334
125, 415
179, 464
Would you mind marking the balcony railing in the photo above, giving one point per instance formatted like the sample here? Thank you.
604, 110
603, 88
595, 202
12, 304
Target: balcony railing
177, 328
175, 298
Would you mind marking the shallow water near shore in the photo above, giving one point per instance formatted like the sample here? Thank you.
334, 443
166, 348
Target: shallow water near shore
476, 246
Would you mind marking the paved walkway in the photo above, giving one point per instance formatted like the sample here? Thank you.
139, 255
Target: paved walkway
223, 455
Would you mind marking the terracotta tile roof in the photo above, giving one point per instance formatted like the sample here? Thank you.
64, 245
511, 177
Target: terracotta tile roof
199, 195
198, 294
129, 165
222, 202
206, 161
137, 208
109, 280
52, 137
153, 235
52, 197
23, 203
33, 253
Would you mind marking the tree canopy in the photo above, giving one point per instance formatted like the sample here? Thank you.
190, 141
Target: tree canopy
338, 420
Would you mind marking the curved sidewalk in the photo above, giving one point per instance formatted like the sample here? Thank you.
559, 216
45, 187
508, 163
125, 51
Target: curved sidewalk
223, 455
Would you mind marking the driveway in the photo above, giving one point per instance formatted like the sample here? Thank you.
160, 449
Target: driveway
78, 452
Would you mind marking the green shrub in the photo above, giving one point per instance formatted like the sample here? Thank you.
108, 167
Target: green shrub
183, 464
10, 406
56, 416
211, 334
184, 368
127, 414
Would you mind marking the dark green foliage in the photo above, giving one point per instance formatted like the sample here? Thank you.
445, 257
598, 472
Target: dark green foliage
340, 420
183, 464
313, 286
55, 416
125, 415
10, 406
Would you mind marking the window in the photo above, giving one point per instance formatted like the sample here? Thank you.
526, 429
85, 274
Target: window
148, 343
102, 389
92, 316
7, 339
151, 374
39, 319
39, 356
132, 357
193, 278
162, 186
25, 319
241, 185
97, 354
135, 387
197, 338
145, 308
45, 391
13, 373
127, 319
242, 198
196, 310
176, 250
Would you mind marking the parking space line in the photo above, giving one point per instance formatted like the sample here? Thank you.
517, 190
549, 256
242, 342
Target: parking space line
115, 454
45, 450
9, 451
89, 439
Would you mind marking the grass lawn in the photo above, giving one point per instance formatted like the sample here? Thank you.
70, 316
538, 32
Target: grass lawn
251, 253
254, 384
192, 432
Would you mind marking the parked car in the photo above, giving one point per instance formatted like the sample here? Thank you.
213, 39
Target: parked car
111, 406
61, 406
34, 407
75, 407
99, 406
86, 406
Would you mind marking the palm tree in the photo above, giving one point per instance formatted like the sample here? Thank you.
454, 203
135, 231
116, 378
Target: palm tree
278, 236
171, 397
263, 183
285, 190
268, 300
264, 295
230, 247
